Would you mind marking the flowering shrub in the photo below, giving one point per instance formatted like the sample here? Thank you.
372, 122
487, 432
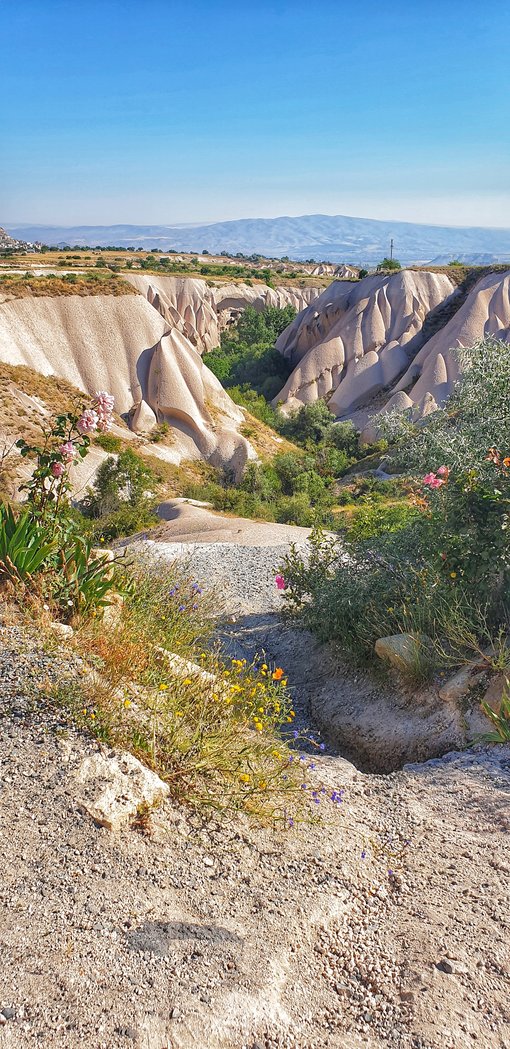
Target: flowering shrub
43, 547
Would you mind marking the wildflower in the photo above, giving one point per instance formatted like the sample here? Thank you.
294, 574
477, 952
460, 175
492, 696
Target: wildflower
182, 608
194, 608
292, 713
163, 688
88, 421
264, 666
363, 854
179, 714
278, 674
187, 681
280, 582
322, 746
258, 726
244, 778
57, 469
262, 784
453, 575
127, 703
443, 471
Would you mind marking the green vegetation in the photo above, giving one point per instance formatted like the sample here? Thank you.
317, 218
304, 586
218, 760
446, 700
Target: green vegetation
247, 354
441, 566
389, 264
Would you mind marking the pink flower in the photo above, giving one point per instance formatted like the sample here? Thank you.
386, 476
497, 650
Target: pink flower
104, 406
429, 480
57, 469
437, 482
280, 582
67, 451
88, 421
443, 471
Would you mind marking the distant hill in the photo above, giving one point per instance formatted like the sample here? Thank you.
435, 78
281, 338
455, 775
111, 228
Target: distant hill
335, 238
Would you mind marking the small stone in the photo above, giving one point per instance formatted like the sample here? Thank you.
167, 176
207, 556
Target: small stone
8, 1013
444, 966
208, 861
62, 630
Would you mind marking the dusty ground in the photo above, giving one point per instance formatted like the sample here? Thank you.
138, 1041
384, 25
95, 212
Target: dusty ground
387, 925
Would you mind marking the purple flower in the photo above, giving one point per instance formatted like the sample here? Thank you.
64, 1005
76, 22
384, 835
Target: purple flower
311, 765
194, 607
363, 854
182, 608
322, 746
295, 733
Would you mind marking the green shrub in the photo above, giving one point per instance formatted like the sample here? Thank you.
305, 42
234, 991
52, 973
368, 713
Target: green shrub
108, 442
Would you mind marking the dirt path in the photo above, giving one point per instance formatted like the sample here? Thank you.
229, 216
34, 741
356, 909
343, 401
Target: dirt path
386, 926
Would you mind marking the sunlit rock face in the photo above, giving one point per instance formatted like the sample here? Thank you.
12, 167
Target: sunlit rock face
124, 345
201, 312
356, 339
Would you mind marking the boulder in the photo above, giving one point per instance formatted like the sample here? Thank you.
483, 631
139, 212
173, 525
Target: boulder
403, 651
112, 789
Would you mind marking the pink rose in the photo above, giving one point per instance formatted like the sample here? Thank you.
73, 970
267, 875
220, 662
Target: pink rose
443, 471
280, 582
57, 469
67, 451
104, 406
88, 421
429, 480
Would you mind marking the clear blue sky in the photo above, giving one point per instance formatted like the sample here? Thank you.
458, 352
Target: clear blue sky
151, 111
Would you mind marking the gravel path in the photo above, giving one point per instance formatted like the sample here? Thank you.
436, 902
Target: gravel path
244, 576
385, 926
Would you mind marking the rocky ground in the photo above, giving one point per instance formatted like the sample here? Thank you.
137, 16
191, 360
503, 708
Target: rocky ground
385, 925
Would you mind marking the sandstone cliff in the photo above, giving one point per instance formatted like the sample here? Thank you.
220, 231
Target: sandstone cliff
124, 345
201, 312
356, 339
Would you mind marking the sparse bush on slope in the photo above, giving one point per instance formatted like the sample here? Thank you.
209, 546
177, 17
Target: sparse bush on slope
445, 570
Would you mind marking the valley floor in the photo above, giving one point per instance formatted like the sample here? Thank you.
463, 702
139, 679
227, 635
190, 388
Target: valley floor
386, 926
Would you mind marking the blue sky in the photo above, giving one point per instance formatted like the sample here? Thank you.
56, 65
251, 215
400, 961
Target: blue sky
155, 111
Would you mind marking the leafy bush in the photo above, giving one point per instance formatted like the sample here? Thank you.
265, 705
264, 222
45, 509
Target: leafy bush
441, 565
124, 480
247, 354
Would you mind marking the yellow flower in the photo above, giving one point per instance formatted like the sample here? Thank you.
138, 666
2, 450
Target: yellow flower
264, 666
236, 688
292, 713
163, 688
453, 575
92, 715
127, 703
261, 710
179, 714
245, 778
284, 682
262, 784
258, 726
187, 681
215, 697
276, 754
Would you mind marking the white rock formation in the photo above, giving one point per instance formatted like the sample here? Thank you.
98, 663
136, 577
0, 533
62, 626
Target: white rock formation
201, 312
430, 377
186, 304
357, 338
122, 344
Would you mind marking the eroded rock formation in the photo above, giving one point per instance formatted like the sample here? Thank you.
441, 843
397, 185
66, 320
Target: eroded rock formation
201, 312
126, 346
356, 339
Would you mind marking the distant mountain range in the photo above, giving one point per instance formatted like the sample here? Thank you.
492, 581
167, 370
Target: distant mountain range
334, 238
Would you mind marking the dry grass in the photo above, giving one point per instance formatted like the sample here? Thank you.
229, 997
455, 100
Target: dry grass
265, 441
21, 286
214, 731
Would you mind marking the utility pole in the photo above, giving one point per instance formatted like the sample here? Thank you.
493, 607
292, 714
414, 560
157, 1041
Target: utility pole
391, 249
